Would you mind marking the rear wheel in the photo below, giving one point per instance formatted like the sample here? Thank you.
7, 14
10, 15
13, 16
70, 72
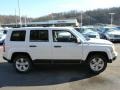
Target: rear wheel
97, 63
22, 64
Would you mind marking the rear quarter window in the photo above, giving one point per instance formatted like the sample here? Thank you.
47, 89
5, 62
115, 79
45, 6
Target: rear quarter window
18, 35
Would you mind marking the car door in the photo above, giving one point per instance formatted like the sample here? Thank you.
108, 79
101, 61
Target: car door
65, 46
39, 44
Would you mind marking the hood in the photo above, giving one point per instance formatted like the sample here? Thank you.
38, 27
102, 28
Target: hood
98, 41
114, 32
90, 33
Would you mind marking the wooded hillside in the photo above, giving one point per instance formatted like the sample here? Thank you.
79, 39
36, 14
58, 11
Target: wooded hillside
89, 17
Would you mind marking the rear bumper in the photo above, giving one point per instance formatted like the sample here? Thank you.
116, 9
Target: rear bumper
1, 41
7, 59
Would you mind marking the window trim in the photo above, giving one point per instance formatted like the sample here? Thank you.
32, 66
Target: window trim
38, 40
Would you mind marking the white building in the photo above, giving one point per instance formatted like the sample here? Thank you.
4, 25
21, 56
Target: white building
68, 22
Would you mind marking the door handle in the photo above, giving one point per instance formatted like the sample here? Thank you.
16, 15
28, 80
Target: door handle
32, 46
57, 46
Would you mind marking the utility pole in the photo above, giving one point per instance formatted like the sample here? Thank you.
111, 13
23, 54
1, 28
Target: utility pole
20, 21
111, 14
52, 15
15, 18
81, 18
25, 20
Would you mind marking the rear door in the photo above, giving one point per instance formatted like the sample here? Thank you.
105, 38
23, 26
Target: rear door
39, 44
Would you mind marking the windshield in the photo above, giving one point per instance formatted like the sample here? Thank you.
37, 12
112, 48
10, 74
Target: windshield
111, 29
88, 31
116, 29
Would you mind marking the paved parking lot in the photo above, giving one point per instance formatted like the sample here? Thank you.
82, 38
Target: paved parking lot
60, 77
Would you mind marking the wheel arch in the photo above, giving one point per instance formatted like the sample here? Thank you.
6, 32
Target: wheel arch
19, 53
97, 53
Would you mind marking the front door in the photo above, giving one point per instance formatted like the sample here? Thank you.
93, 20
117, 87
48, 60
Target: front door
65, 46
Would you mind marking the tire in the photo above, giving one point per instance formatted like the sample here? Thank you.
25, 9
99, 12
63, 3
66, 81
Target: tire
22, 64
97, 63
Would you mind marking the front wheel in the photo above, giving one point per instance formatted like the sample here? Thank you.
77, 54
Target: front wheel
22, 64
97, 63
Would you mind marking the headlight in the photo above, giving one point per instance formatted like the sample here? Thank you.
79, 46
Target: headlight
110, 35
112, 49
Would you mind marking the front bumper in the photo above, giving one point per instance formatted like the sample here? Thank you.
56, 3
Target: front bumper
111, 60
115, 40
114, 58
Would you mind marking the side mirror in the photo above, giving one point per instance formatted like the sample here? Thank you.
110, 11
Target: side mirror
78, 41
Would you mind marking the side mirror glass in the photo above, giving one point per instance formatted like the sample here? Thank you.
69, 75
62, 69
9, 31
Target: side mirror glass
73, 40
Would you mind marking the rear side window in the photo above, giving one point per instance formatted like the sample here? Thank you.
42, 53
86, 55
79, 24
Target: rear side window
18, 36
39, 35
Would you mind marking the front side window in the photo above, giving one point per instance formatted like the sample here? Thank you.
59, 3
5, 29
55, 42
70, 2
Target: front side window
63, 36
39, 35
18, 35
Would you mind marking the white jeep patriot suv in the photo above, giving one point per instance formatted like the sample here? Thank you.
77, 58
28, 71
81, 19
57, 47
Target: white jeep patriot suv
28, 45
